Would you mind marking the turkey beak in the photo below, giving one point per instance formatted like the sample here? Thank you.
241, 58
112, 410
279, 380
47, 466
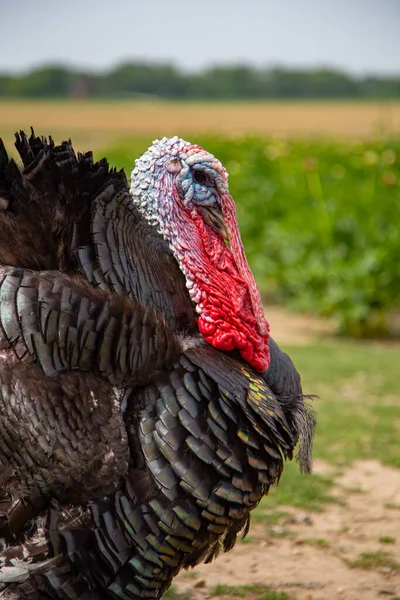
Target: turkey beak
212, 215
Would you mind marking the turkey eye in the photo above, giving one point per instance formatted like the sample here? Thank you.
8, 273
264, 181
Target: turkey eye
200, 177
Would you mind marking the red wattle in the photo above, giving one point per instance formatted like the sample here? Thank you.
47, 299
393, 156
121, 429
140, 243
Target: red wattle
254, 351
206, 328
232, 314
260, 363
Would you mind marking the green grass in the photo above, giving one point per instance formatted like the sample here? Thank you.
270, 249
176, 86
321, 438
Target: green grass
189, 574
265, 514
257, 592
358, 409
387, 539
375, 560
249, 539
306, 492
316, 542
173, 594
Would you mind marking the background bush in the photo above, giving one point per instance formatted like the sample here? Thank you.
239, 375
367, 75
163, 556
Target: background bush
319, 220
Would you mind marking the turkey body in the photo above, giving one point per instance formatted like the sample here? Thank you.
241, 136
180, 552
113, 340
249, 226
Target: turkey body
129, 448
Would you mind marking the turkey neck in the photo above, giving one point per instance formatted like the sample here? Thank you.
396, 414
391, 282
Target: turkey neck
126, 256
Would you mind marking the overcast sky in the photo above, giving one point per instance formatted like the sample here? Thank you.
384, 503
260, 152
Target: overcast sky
360, 36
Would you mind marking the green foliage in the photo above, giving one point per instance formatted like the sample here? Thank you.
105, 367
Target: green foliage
319, 221
46, 82
220, 82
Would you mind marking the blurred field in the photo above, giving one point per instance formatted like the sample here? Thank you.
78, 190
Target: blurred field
319, 221
95, 124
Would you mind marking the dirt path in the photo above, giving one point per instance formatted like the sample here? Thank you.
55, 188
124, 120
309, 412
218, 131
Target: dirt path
314, 561
295, 328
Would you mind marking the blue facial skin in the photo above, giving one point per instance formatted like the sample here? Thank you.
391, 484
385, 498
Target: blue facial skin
204, 193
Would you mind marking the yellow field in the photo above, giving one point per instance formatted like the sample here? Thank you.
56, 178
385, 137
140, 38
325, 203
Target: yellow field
95, 124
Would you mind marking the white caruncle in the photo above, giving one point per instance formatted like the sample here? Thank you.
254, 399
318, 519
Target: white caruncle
147, 181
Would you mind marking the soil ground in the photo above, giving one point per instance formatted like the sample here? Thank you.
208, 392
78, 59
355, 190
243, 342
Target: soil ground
314, 561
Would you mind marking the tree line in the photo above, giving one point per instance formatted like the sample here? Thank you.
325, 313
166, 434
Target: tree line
136, 80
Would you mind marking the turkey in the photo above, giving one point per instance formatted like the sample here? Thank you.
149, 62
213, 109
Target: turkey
139, 423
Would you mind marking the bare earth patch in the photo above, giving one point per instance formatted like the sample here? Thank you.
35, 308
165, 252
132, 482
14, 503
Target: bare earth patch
296, 328
350, 551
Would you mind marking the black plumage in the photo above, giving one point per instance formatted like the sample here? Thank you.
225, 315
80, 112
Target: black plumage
128, 448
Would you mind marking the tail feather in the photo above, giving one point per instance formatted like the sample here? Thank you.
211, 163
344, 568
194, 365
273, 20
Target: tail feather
39, 206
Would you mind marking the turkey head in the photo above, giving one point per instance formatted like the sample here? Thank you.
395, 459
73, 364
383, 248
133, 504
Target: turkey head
182, 191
